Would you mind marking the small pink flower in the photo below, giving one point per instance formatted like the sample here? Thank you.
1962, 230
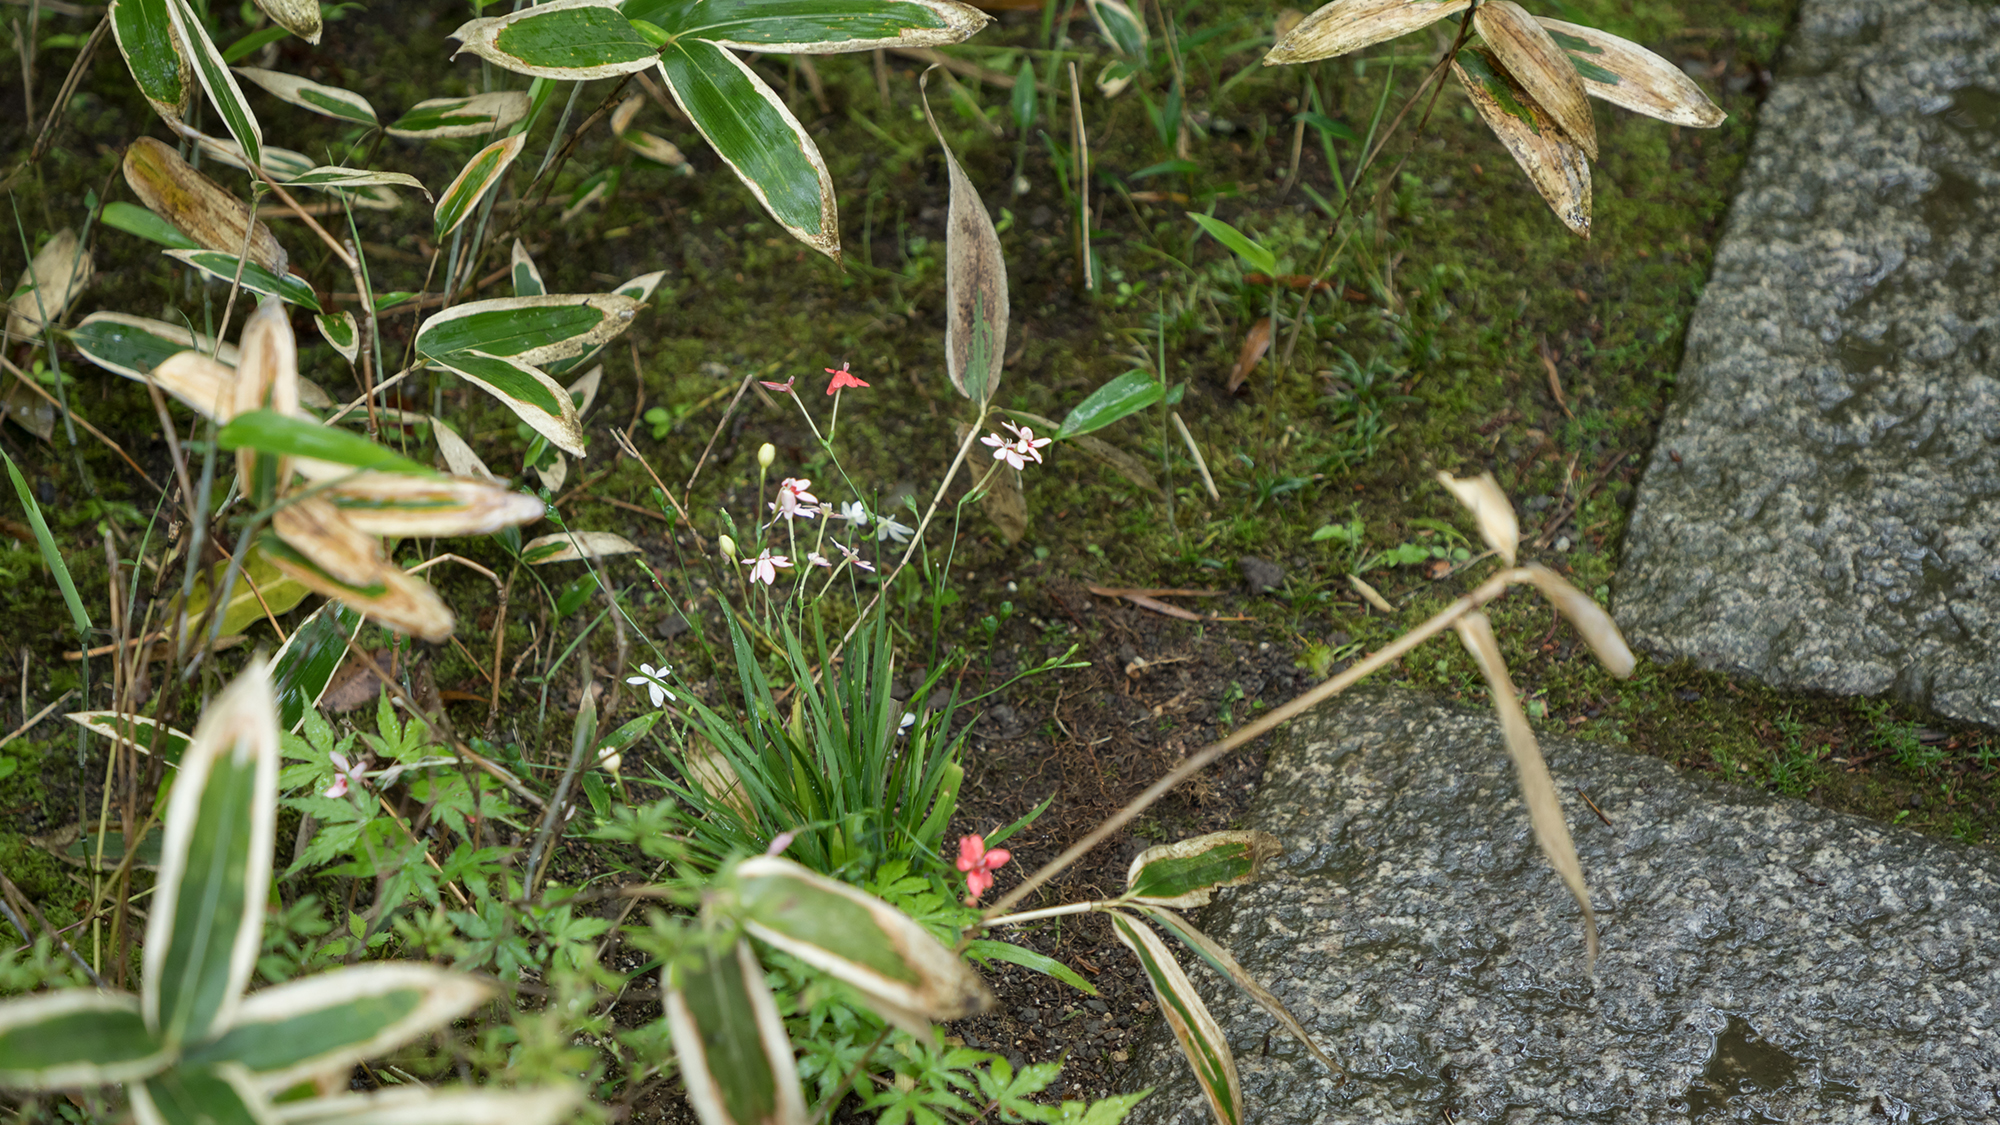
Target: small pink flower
780, 842
979, 864
782, 388
854, 557
344, 772
1027, 442
764, 568
819, 560
1004, 450
841, 378
794, 500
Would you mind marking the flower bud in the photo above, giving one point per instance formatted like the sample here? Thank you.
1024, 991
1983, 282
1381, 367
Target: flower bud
766, 454
727, 546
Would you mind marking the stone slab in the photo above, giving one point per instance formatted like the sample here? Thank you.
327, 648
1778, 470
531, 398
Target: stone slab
1822, 509
1763, 960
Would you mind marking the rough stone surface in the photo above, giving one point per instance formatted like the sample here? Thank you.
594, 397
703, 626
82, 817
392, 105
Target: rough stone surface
1763, 960
1822, 509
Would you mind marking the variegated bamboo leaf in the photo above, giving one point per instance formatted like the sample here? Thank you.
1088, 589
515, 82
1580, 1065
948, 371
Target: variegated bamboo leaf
76, 1037
583, 392
1538, 66
1185, 873
207, 921
281, 164
567, 40
531, 330
260, 590
332, 101
186, 1095
1349, 25
199, 206
527, 390
1225, 965
288, 287
1122, 27
306, 663
1631, 77
300, 17
421, 1105
655, 148
326, 1023
750, 127
1538, 788
136, 731
319, 548
145, 35
1555, 165
484, 170
570, 546
1589, 619
641, 288
134, 346
51, 283
468, 116
267, 385
341, 181
1490, 509
401, 506
216, 80
340, 330
824, 27
897, 966
975, 286
1199, 1036
458, 456
735, 1058
527, 276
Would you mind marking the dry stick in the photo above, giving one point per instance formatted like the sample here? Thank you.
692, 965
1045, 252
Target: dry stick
76, 71
1081, 138
439, 725
1199, 462
720, 423
1486, 592
499, 648
38, 717
14, 893
29, 383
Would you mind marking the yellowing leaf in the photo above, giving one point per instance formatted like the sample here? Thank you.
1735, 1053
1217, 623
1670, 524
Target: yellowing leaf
1490, 508
1631, 77
200, 207
455, 203
1557, 167
1540, 67
1349, 25
975, 286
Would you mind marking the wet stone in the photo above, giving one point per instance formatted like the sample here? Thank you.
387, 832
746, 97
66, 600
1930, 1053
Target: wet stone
1822, 509
1763, 960
1261, 574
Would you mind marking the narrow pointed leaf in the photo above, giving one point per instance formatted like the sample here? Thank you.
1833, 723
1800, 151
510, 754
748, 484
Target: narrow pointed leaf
527, 276
984, 950
1121, 26
77, 1037
1631, 77
1538, 788
536, 399
1539, 66
145, 36
134, 346
332, 101
1349, 25
1186, 872
859, 939
823, 27
1199, 1036
402, 506
281, 434
641, 288
1589, 619
975, 286
324, 1024
171, 188
199, 1096
455, 203
1555, 165
655, 148
583, 392
309, 659
1245, 247
133, 219
136, 731
1490, 509
51, 283
300, 17
340, 330
419, 1105
458, 456
1120, 398
281, 164
337, 180
51, 554
531, 330
216, 80
330, 556
207, 920
1219, 958
569, 546
750, 127
290, 288
735, 1058
569, 40
468, 116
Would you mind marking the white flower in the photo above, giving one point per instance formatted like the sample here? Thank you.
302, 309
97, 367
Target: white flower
817, 559
1004, 450
764, 568
610, 762
343, 773
1024, 447
794, 499
886, 527
1028, 443
909, 720
654, 680
854, 512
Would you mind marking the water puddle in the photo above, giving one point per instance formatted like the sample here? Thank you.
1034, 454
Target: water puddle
1743, 1064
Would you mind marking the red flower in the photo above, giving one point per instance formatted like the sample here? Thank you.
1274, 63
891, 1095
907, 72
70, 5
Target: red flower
979, 864
841, 378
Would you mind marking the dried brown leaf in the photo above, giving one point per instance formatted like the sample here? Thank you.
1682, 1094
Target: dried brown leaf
1631, 77
1589, 619
1490, 508
975, 286
51, 283
1255, 343
1557, 167
171, 188
1539, 66
1349, 25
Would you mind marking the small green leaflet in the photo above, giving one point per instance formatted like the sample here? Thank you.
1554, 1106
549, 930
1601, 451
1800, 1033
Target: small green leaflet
134, 219
291, 288
571, 40
268, 431
1245, 247
1120, 398
484, 170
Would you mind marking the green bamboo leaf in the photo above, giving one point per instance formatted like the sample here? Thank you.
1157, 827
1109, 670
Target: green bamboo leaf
51, 555
902, 971
216, 80
1120, 398
527, 276
133, 219
815, 27
324, 1024
984, 950
480, 173
1226, 965
221, 1095
77, 1037
531, 330
340, 330
570, 546
144, 32
756, 135
468, 116
207, 917
569, 40
1184, 873
1123, 27
346, 105
1247, 248
309, 659
527, 390
1199, 1036
290, 288
300, 17
133, 346
252, 43
333, 179
735, 1058
268, 431
145, 735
